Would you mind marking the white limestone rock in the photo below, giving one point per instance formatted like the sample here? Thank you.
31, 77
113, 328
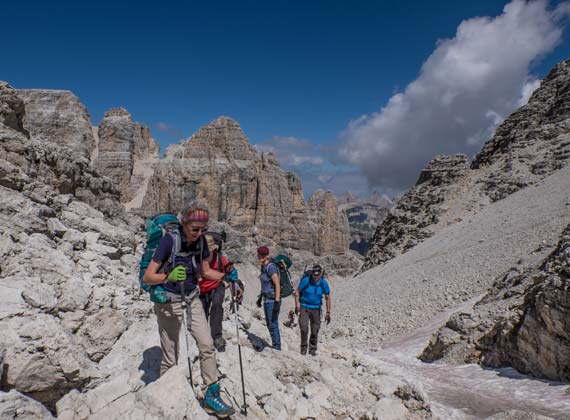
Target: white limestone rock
14, 405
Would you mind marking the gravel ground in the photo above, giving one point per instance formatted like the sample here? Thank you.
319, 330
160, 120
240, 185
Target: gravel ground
453, 266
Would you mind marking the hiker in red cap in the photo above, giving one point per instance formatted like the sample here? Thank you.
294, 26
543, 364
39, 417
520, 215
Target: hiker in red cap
270, 294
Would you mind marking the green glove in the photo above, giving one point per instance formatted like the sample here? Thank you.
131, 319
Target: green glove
177, 274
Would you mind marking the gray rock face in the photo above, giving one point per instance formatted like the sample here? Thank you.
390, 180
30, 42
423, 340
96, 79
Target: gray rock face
57, 116
125, 149
527, 147
50, 157
406, 224
11, 108
364, 216
65, 298
61, 258
330, 225
533, 141
363, 220
217, 164
14, 405
522, 322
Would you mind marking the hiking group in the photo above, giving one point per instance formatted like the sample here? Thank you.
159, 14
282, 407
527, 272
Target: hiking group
186, 275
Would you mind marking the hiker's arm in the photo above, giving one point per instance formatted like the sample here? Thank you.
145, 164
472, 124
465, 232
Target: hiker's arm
328, 300
297, 299
210, 272
275, 279
151, 275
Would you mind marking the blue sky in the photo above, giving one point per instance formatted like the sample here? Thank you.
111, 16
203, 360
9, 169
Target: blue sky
315, 75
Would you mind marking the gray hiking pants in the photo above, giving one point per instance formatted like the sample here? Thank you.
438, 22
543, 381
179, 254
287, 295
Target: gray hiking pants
169, 316
310, 317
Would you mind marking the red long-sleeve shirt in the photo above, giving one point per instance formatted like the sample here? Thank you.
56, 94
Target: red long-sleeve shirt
206, 285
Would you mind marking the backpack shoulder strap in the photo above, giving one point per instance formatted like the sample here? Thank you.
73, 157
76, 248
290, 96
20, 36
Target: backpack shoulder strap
201, 247
176, 246
306, 286
274, 263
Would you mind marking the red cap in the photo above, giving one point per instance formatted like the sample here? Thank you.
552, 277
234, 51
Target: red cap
263, 250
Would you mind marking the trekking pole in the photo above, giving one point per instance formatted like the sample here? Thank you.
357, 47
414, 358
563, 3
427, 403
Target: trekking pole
185, 326
234, 303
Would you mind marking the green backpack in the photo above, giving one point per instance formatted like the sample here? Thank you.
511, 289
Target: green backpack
156, 227
283, 264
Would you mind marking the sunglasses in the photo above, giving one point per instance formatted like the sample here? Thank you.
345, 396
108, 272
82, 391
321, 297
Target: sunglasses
198, 229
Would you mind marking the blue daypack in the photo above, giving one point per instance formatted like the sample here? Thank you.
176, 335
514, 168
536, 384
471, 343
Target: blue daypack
156, 227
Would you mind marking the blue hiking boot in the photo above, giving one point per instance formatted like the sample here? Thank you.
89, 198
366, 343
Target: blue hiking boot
213, 403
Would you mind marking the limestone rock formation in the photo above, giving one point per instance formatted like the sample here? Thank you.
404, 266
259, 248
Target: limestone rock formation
407, 223
33, 162
528, 146
364, 215
533, 141
125, 152
15, 405
11, 109
219, 165
331, 228
363, 220
279, 385
522, 322
57, 116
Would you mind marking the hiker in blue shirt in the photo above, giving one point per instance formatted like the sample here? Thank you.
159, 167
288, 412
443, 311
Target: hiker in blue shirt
308, 303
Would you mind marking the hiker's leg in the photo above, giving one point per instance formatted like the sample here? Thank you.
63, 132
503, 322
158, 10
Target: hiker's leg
304, 327
169, 317
198, 326
217, 311
206, 302
276, 335
268, 309
315, 317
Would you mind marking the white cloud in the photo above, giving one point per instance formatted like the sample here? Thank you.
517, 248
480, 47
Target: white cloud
465, 88
527, 90
312, 165
302, 160
292, 152
168, 129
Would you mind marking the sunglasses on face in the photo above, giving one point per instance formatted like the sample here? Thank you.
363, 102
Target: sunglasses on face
194, 229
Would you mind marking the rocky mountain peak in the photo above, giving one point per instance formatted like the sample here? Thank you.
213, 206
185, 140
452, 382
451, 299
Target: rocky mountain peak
221, 137
243, 189
59, 117
117, 113
347, 198
530, 126
124, 150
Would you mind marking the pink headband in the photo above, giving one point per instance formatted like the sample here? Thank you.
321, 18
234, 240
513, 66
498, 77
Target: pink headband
197, 216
